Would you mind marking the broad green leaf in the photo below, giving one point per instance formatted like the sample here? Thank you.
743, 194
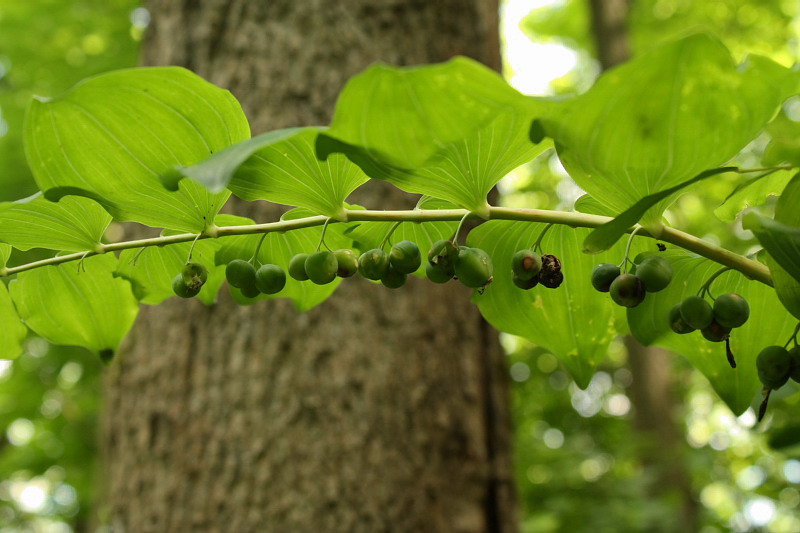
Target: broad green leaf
278, 249
111, 136
282, 167
575, 321
12, 330
5, 253
603, 237
752, 193
664, 117
781, 238
450, 131
83, 307
787, 288
769, 324
72, 224
592, 206
784, 145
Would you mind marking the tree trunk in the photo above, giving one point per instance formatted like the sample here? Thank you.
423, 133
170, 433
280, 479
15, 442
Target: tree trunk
377, 411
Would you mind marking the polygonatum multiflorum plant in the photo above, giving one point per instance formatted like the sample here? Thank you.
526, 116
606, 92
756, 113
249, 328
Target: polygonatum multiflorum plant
163, 148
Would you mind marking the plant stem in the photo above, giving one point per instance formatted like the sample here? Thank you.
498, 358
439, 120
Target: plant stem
322, 237
624, 265
389, 234
706, 287
749, 267
538, 243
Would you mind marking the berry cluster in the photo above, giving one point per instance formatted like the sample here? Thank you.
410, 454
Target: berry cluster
776, 365
528, 269
715, 323
652, 274
446, 261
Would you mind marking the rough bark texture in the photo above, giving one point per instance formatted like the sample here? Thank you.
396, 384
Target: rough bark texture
661, 439
378, 411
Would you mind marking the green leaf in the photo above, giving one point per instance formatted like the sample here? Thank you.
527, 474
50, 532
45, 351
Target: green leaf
664, 117
784, 145
450, 131
111, 136
603, 237
282, 167
575, 321
5, 253
73, 224
769, 324
781, 239
278, 249
12, 330
89, 308
752, 193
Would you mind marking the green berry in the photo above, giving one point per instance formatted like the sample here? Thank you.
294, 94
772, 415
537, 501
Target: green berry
373, 264
270, 279
321, 267
774, 365
444, 254
194, 274
439, 274
393, 278
627, 290
405, 257
182, 289
677, 323
795, 371
347, 262
474, 267
603, 275
240, 274
250, 291
297, 267
524, 284
526, 264
697, 312
655, 272
715, 332
731, 310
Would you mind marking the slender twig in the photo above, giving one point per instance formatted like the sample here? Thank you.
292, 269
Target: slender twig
749, 267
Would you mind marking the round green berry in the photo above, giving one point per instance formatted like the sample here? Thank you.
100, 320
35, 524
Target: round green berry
627, 290
731, 310
715, 332
655, 272
443, 253
438, 274
373, 264
321, 267
676, 321
405, 257
774, 364
347, 262
240, 274
194, 274
697, 312
603, 275
182, 289
526, 264
270, 279
297, 267
393, 278
524, 284
474, 267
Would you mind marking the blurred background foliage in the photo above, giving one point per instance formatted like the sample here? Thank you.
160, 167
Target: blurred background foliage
582, 464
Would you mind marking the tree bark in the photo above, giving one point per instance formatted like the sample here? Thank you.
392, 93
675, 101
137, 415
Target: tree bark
377, 411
